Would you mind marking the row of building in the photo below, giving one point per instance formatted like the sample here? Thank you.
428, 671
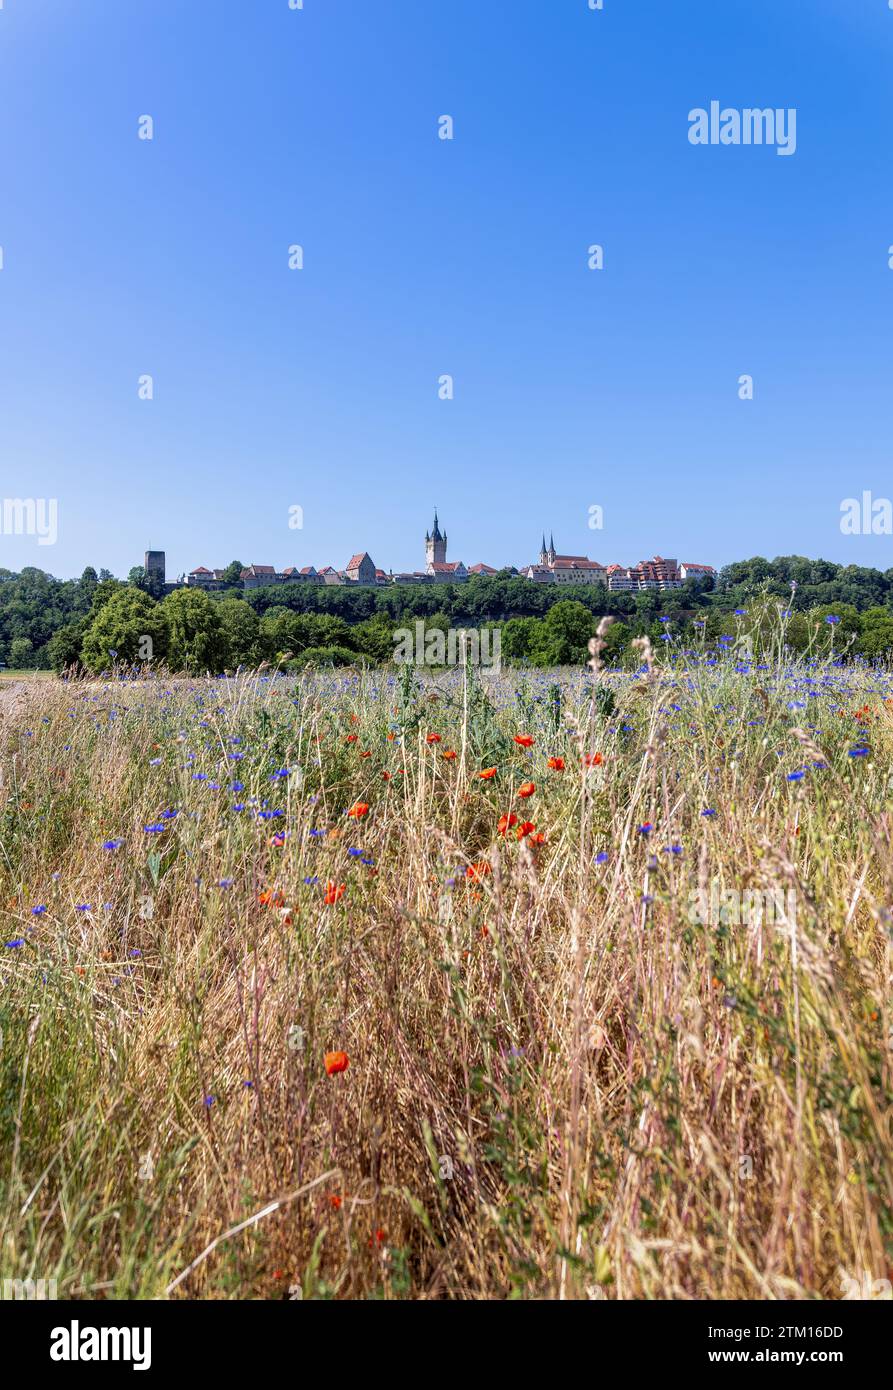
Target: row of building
551, 568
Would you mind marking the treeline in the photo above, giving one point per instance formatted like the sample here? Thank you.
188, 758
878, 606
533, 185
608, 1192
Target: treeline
97, 620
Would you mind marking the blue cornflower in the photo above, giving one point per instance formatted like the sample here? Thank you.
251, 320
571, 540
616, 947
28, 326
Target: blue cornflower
38, 911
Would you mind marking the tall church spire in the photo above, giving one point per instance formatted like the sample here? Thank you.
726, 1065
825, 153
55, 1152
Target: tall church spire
435, 545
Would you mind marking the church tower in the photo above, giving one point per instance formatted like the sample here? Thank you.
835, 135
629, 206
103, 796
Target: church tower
435, 545
547, 552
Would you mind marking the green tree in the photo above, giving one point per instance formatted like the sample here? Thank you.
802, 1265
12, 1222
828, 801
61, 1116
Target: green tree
195, 637
21, 653
876, 637
64, 647
130, 626
519, 638
232, 575
240, 630
562, 638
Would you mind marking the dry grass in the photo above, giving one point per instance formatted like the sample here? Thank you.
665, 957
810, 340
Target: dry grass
561, 1083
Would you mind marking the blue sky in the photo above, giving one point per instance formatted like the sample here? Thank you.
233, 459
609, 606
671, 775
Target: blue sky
318, 388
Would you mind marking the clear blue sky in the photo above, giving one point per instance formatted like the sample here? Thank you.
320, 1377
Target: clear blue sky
278, 388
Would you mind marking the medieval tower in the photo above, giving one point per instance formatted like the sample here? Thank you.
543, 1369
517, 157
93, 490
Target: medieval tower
435, 545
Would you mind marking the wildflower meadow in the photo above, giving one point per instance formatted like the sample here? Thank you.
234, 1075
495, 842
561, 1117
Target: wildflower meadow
398, 985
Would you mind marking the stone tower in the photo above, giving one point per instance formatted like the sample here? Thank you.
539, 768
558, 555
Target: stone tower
435, 545
547, 552
153, 565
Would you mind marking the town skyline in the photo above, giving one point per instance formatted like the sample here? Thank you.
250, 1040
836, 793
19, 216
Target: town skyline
550, 567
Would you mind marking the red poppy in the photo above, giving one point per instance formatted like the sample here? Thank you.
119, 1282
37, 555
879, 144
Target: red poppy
487, 773
448, 754
556, 764
333, 892
335, 1062
593, 760
525, 740
351, 738
433, 738
479, 870
360, 809
526, 789
526, 827
506, 822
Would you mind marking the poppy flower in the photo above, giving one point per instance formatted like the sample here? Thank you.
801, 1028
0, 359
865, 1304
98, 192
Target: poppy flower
537, 839
449, 755
524, 740
277, 840
487, 773
358, 810
593, 760
506, 822
335, 1201
433, 738
351, 738
386, 776
526, 789
556, 764
336, 1062
526, 827
479, 870
333, 892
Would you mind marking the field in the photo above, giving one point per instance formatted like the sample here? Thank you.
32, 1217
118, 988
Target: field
565, 985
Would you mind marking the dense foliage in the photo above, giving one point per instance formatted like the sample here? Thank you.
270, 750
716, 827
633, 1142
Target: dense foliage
47, 622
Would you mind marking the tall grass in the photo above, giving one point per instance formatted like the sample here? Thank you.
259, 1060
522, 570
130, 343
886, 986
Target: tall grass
565, 1078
